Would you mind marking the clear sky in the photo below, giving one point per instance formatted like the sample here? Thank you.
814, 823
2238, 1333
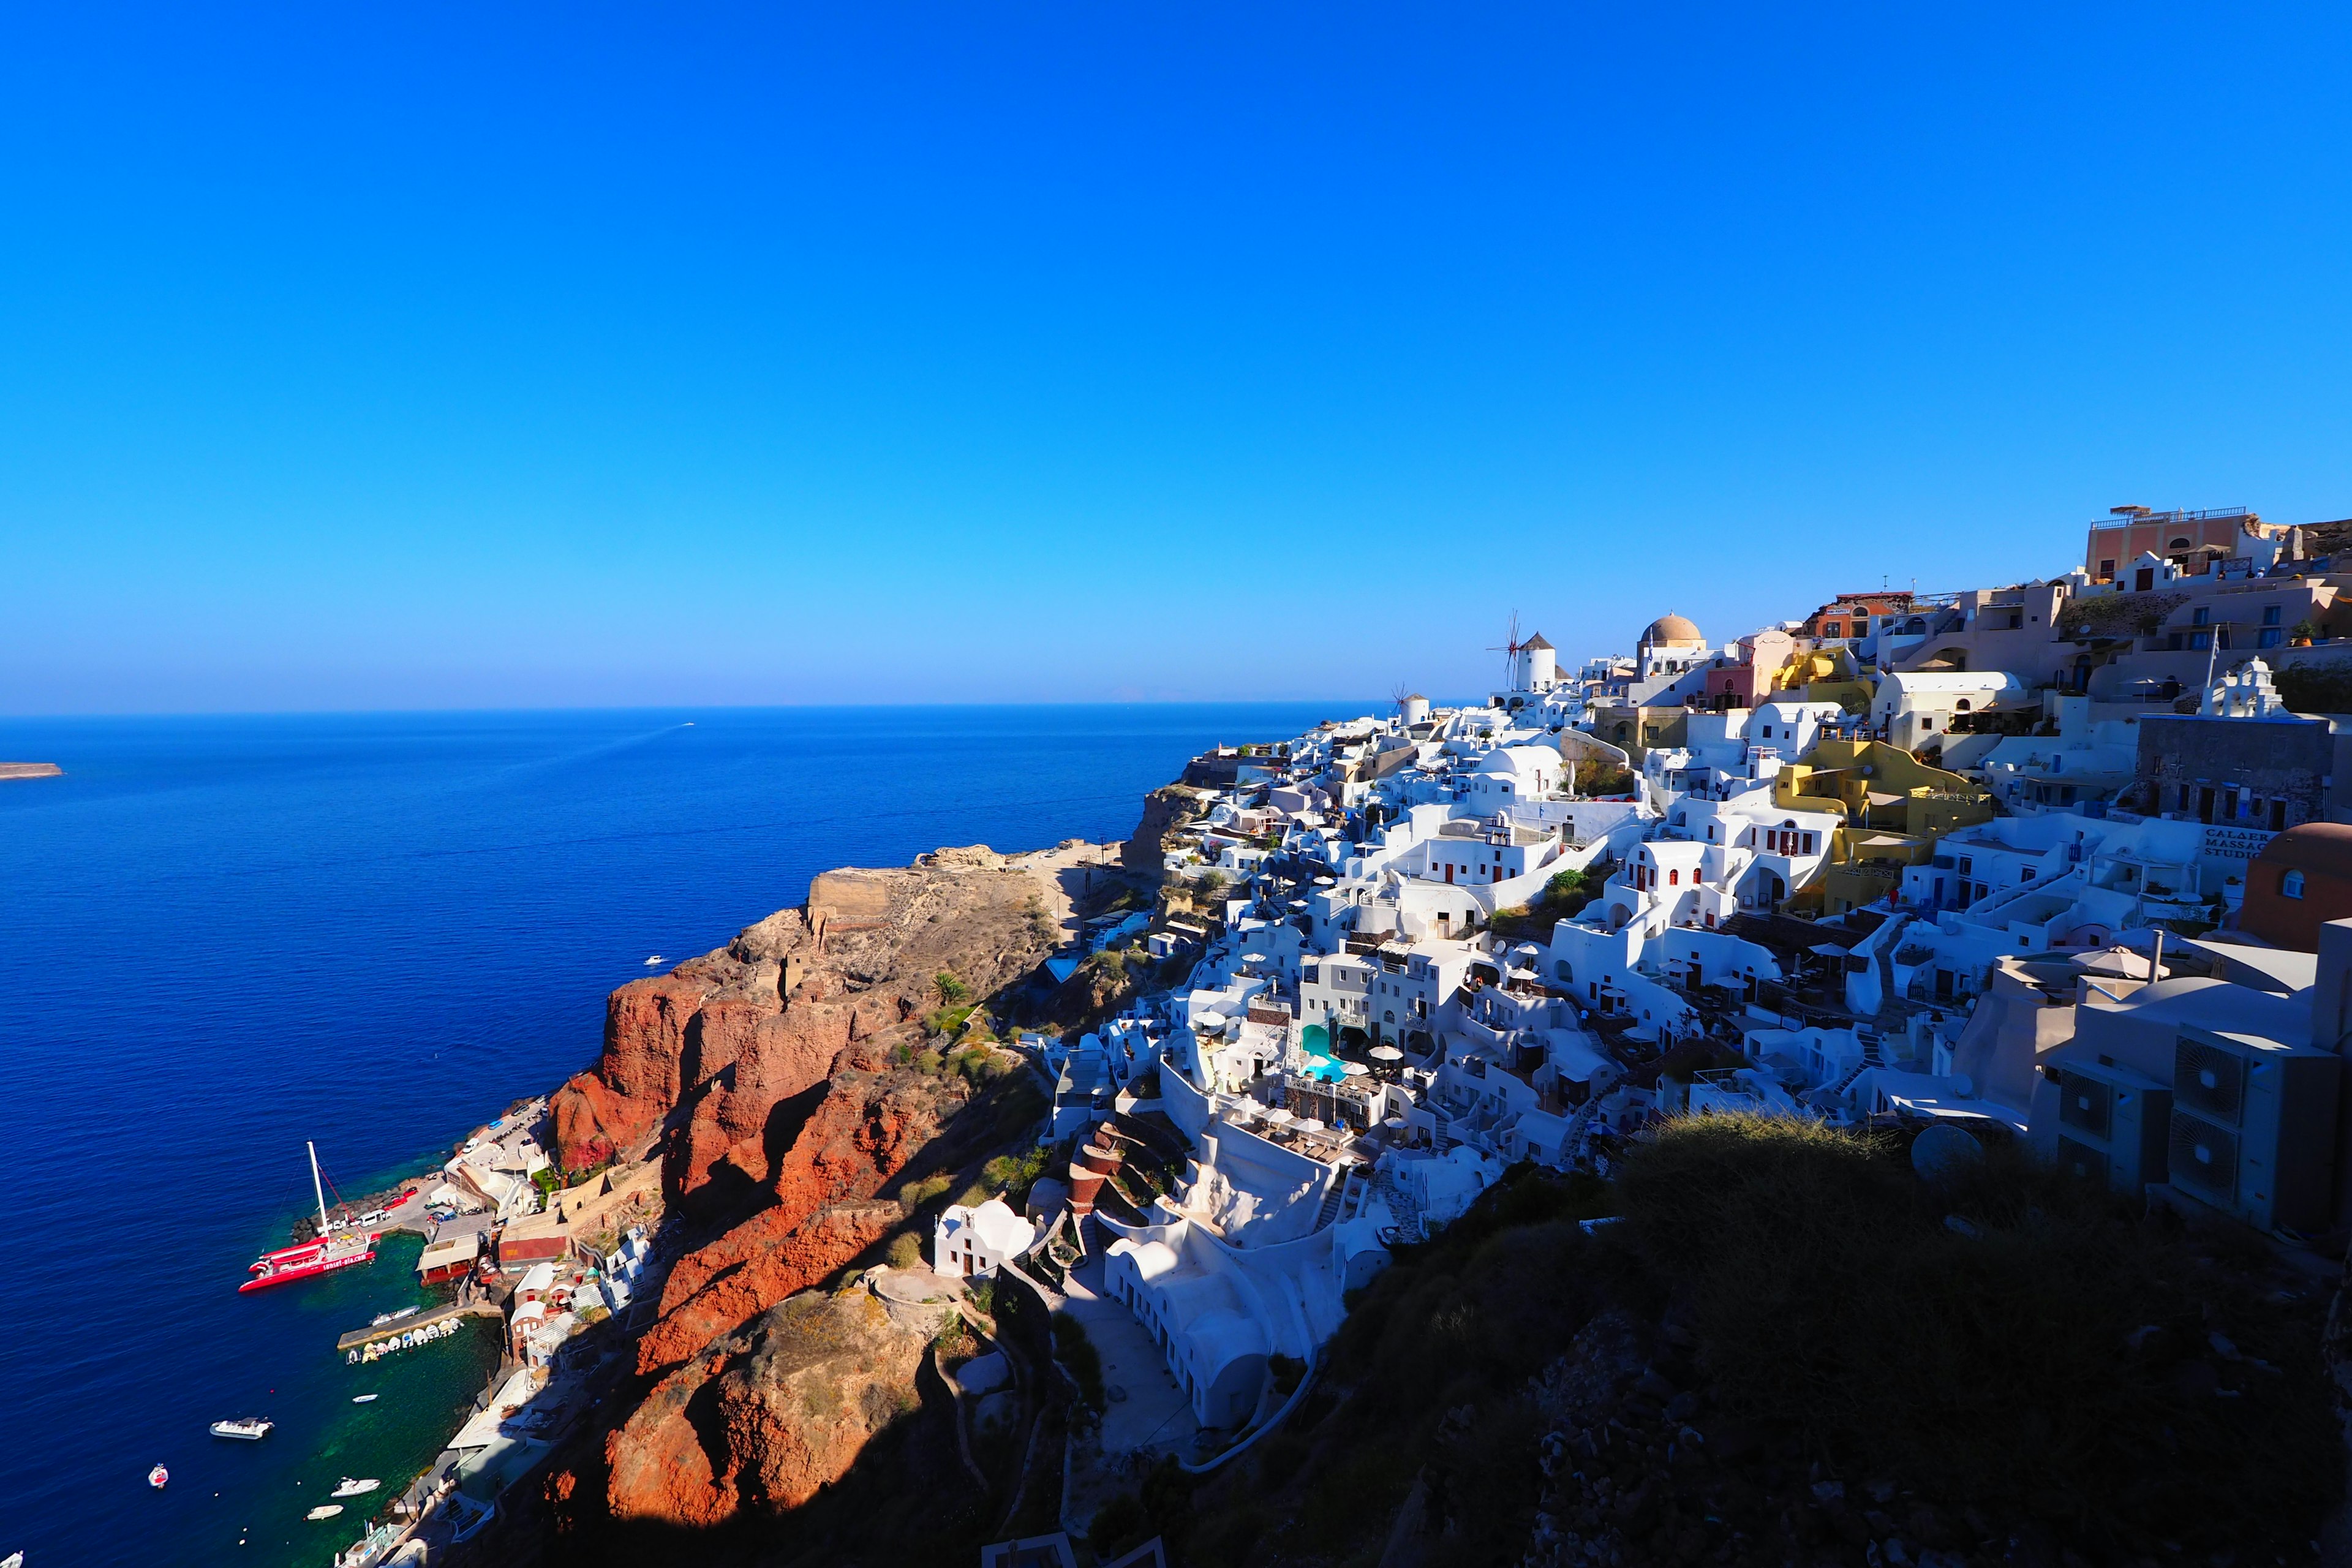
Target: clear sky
363, 355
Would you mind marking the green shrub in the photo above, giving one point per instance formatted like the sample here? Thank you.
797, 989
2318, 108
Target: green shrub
906, 1251
917, 1194
950, 990
1827, 1292
1119, 1525
927, 1061
1079, 1358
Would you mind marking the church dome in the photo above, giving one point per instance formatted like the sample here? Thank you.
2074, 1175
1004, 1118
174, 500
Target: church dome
1671, 628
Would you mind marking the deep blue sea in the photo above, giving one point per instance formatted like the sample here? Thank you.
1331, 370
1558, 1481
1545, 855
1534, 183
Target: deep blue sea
220, 937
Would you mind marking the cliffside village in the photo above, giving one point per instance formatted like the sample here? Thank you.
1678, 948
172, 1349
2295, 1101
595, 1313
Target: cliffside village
2054, 861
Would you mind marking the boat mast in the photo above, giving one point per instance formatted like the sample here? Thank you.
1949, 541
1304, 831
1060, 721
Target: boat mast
316, 1190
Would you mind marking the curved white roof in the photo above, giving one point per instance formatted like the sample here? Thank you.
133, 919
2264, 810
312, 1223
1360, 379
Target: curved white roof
1519, 762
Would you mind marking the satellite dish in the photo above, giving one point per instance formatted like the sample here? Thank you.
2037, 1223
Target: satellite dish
1943, 1153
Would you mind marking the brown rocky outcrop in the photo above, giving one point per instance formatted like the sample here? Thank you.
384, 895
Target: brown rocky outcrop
708, 1050
790, 1404
771, 1076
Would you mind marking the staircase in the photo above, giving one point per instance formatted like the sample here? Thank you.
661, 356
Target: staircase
1580, 1129
1330, 1209
1400, 1207
1873, 1055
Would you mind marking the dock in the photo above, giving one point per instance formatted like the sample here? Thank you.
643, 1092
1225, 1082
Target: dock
400, 1326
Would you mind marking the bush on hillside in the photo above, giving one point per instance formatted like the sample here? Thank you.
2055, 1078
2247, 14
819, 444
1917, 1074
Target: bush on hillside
1079, 1358
2006, 1371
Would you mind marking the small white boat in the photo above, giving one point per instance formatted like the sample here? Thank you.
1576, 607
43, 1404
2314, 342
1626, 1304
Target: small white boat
356, 1399
355, 1487
14, 1559
325, 1511
654, 960
251, 1428
384, 1318
157, 1477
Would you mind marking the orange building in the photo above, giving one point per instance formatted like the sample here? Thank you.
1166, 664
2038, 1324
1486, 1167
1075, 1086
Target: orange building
2302, 880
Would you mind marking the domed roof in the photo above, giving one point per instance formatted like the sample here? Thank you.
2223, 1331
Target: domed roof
1671, 627
2315, 847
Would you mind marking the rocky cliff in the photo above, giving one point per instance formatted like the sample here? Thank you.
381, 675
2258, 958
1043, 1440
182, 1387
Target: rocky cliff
793, 1400
697, 1061
785, 1084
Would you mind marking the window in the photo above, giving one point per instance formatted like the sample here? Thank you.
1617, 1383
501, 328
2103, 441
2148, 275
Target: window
1674, 878
2200, 617
2291, 885
2270, 615
2201, 639
2270, 638
2106, 569
1832, 629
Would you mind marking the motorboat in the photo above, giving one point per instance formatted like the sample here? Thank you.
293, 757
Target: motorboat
363, 1398
251, 1428
335, 1246
381, 1319
656, 959
325, 1511
14, 1559
157, 1477
355, 1487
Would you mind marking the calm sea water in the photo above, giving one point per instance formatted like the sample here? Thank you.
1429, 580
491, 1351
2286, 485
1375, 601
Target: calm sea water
221, 936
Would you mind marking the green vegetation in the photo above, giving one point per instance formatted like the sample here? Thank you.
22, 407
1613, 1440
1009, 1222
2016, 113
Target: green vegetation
1079, 1358
1995, 1371
984, 1298
1014, 1174
948, 1021
906, 1251
2308, 688
950, 990
1566, 893
928, 1188
2119, 614
2058, 1365
1599, 778
1119, 1525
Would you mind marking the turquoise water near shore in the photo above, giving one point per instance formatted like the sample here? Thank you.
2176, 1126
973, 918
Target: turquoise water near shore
220, 937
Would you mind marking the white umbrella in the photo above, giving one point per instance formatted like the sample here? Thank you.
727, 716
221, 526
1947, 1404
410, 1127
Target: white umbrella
1385, 1054
1309, 1124
1394, 1124
1213, 1022
1278, 1115
1354, 1069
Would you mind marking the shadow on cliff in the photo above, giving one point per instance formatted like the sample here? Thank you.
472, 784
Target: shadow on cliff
731, 1194
907, 1498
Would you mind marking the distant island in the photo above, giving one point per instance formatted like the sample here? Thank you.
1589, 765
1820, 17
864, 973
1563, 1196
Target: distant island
30, 770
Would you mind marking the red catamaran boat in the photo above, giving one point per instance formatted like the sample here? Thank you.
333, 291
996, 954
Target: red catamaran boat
332, 1250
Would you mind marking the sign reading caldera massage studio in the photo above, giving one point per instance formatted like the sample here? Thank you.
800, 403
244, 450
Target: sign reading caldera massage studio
2235, 843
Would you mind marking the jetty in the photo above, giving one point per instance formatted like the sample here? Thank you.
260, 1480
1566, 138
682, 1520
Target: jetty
394, 1330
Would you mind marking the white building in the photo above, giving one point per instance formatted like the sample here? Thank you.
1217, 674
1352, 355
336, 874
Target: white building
972, 1242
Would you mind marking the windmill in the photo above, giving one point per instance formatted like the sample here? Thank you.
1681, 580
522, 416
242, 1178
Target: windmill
1398, 695
1511, 650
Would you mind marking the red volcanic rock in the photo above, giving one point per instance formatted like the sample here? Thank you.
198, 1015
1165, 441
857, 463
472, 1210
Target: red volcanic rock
796, 1401
636, 1083
726, 1037
858, 1138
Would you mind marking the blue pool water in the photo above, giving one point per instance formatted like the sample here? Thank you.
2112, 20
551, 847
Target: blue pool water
221, 936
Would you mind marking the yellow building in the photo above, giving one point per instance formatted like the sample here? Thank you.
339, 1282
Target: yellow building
1895, 806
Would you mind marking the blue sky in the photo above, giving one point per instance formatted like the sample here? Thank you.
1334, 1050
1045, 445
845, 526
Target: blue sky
360, 356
